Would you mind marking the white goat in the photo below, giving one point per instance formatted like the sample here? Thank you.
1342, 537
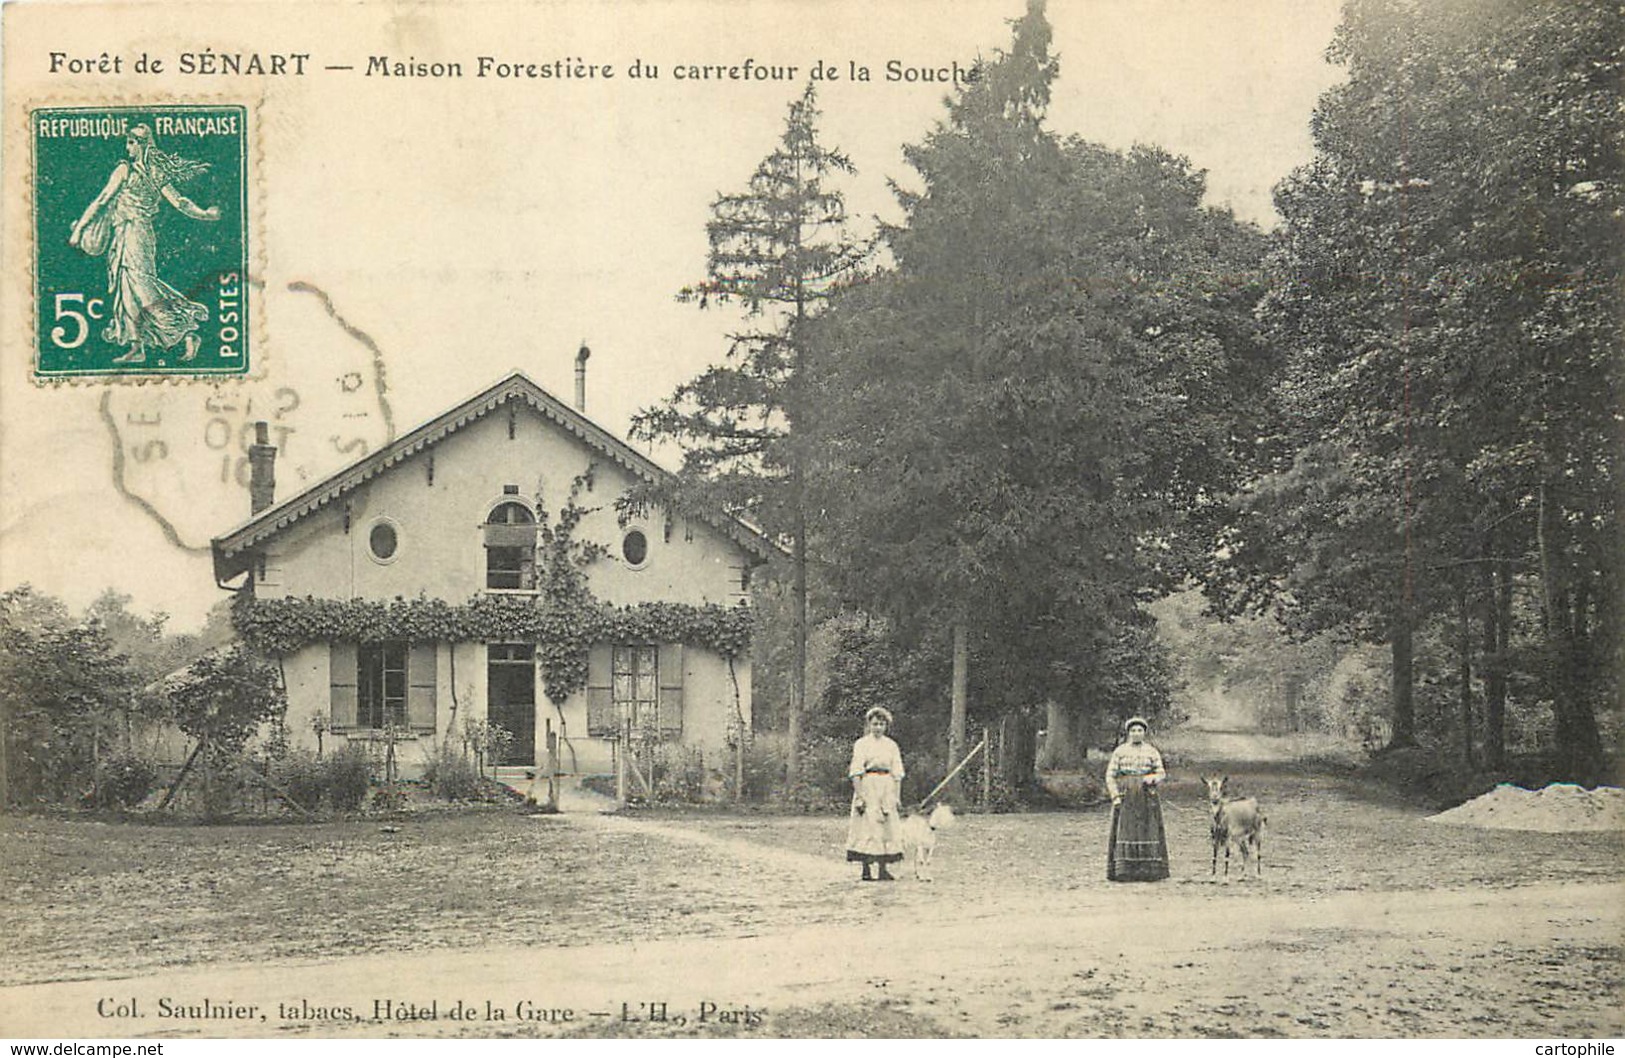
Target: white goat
1239, 823
920, 838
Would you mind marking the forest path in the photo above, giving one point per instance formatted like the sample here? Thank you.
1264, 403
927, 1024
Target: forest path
1211, 745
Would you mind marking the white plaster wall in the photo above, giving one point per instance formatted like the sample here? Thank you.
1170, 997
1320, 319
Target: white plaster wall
441, 551
306, 674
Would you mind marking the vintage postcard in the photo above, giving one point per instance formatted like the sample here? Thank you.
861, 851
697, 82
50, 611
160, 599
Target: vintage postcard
519, 519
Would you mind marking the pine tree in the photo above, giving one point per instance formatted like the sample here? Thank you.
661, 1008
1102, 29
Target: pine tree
780, 250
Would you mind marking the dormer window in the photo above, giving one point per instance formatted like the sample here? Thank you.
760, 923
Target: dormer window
510, 547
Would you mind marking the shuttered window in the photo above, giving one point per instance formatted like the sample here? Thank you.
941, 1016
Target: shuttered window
635, 685
381, 685
671, 690
510, 547
602, 721
342, 685
375, 685
420, 687
640, 682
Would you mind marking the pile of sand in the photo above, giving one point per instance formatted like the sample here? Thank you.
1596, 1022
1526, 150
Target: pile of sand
1559, 807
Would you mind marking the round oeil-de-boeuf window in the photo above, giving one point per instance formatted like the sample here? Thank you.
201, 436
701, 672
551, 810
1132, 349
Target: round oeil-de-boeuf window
383, 541
635, 548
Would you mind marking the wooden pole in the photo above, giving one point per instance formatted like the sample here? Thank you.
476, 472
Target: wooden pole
987, 771
552, 768
621, 747
938, 787
268, 783
180, 778
1004, 761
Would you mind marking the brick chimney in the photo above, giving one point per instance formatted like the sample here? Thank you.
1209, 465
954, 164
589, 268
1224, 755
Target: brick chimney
261, 469
581, 377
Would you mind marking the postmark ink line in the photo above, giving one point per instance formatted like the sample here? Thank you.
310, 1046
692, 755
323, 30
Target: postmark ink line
104, 407
301, 287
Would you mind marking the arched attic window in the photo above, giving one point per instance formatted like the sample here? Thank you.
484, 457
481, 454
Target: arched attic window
510, 547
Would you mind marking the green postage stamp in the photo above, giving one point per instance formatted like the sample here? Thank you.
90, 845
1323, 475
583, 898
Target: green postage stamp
140, 241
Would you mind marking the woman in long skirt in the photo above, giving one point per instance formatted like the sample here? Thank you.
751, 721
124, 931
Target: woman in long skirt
1138, 850
874, 832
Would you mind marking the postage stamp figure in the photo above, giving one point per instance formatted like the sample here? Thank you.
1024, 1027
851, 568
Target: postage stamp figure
140, 241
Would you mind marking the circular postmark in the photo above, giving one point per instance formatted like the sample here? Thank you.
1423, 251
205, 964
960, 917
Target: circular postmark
181, 452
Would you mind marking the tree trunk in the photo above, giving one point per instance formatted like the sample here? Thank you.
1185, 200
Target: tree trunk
797, 411
1464, 670
1579, 743
1017, 763
1403, 684
798, 673
1060, 748
1497, 619
5, 754
956, 716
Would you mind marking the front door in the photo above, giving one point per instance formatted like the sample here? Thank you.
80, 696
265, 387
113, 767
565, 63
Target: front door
511, 697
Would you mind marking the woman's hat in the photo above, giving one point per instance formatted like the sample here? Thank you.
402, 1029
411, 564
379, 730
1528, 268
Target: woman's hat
880, 711
1133, 720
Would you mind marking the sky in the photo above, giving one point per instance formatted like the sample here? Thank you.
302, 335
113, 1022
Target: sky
431, 234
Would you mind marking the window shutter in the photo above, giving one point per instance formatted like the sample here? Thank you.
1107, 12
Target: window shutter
510, 536
342, 685
670, 672
602, 721
420, 684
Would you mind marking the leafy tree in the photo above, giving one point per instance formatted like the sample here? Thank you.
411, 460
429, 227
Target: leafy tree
223, 697
153, 652
64, 693
1016, 417
779, 251
1447, 283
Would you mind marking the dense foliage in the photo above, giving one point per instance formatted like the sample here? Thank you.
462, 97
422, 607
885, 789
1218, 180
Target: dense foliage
83, 701
222, 698
1447, 287
562, 633
1023, 421
67, 696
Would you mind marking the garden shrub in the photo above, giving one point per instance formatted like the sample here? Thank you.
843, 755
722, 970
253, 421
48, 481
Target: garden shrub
389, 798
451, 776
823, 786
347, 777
303, 777
126, 781
220, 788
679, 774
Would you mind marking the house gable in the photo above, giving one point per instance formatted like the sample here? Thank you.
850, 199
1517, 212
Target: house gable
425, 496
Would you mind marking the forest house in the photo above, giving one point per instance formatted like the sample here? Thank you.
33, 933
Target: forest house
477, 570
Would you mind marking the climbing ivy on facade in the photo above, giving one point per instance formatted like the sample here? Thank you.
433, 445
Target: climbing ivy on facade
562, 634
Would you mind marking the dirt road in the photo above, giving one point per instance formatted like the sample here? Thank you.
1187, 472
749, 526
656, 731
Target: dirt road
1369, 922
1358, 964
